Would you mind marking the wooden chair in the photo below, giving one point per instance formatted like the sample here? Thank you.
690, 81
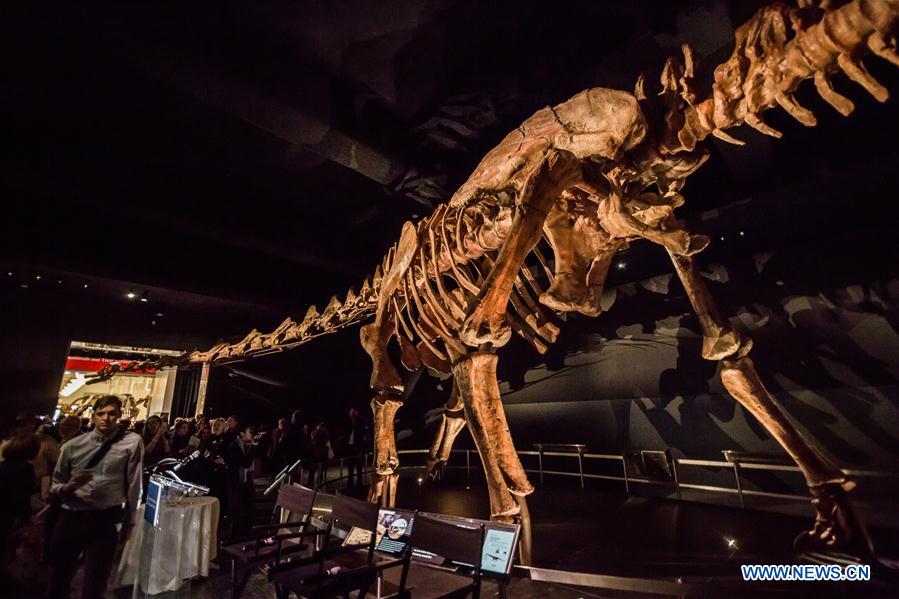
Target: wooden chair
266, 543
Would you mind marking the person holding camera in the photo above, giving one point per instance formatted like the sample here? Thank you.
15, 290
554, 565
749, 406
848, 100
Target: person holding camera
97, 483
157, 440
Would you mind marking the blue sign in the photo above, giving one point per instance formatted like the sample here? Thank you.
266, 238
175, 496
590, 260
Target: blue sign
154, 496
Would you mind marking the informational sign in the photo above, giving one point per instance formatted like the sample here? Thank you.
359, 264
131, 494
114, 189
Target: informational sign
357, 537
394, 529
497, 554
498, 550
154, 498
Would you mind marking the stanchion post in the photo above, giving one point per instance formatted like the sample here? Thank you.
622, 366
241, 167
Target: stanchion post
739, 486
580, 464
676, 479
540, 461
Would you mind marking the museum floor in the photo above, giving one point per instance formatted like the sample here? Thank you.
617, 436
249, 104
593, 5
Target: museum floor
624, 539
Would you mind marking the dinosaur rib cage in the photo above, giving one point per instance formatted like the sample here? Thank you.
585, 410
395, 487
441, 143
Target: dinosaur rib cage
457, 248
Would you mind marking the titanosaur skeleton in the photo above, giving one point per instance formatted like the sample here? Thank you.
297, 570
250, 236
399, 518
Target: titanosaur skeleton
590, 175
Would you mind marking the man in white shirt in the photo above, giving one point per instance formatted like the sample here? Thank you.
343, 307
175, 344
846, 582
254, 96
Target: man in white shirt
98, 481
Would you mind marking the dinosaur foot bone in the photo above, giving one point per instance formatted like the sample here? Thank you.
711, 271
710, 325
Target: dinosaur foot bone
837, 527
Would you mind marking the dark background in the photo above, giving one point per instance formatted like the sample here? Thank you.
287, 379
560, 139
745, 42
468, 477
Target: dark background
239, 162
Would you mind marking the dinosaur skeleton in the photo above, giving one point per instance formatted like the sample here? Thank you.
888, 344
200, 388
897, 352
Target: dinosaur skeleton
589, 176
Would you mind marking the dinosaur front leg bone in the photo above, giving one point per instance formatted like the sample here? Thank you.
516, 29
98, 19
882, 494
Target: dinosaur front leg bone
375, 337
386, 462
718, 340
476, 377
836, 524
568, 292
617, 220
486, 323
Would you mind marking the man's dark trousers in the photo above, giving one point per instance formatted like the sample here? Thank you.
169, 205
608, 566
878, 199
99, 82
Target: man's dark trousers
92, 532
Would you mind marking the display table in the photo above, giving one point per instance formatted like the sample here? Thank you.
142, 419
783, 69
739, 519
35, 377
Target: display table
183, 545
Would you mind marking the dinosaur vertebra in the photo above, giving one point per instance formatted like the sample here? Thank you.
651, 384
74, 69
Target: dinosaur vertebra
590, 175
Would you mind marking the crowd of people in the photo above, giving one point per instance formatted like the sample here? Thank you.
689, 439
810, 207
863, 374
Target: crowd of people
43, 474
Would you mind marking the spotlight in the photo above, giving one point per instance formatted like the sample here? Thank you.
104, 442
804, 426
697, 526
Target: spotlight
420, 480
722, 238
59, 281
37, 277
742, 233
621, 265
131, 295
145, 297
9, 274
85, 285
159, 314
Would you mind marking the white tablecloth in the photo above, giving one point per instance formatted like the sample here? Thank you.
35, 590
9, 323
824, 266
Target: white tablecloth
183, 545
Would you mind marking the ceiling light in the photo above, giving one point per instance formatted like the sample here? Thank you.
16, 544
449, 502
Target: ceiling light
160, 314
37, 277
9, 274
145, 297
59, 281
131, 295
742, 233
24, 285
85, 285
621, 265
722, 238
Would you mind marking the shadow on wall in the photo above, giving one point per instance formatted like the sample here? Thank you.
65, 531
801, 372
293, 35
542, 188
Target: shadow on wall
634, 377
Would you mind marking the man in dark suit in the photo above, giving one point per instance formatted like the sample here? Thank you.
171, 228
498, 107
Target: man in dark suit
356, 441
239, 480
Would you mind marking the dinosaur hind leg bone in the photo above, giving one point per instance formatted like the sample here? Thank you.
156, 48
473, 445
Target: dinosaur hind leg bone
476, 377
836, 524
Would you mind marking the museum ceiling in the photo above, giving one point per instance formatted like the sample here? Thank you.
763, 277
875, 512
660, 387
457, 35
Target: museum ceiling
236, 162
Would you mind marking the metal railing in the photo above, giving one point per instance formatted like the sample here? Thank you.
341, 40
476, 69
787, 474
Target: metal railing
578, 452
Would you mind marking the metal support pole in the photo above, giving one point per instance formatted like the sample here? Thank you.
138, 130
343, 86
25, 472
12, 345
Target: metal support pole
468, 465
580, 465
540, 461
676, 479
739, 486
627, 483
341, 470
